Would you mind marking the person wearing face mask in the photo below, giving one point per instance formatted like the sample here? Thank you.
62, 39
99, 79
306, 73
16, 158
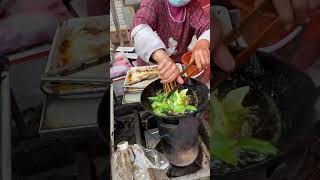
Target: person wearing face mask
162, 31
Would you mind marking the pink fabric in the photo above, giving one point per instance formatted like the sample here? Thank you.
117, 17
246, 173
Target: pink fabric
155, 13
206, 10
204, 2
119, 67
18, 33
53, 8
176, 12
30, 22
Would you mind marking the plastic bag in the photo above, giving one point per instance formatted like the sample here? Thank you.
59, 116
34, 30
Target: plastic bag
120, 66
132, 162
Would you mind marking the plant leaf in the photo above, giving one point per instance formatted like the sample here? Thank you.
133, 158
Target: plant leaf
233, 100
215, 112
227, 122
224, 148
176, 104
221, 147
227, 118
257, 145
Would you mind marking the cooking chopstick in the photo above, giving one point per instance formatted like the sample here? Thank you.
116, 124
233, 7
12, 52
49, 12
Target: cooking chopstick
234, 34
179, 85
244, 55
187, 67
176, 87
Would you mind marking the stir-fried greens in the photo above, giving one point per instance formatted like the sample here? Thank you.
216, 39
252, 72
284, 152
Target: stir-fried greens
177, 104
230, 124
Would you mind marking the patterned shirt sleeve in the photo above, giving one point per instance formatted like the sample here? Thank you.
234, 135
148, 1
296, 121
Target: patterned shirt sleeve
198, 20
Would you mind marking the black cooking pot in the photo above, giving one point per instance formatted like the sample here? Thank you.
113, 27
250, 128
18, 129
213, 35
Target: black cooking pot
294, 94
179, 133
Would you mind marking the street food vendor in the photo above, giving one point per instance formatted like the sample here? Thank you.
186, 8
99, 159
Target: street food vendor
162, 31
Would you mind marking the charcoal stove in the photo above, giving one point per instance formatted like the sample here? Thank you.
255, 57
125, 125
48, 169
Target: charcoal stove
134, 124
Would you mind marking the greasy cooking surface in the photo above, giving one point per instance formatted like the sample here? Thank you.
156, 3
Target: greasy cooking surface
68, 113
83, 44
79, 39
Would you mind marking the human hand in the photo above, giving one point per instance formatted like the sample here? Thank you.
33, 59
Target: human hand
221, 54
201, 54
293, 12
169, 72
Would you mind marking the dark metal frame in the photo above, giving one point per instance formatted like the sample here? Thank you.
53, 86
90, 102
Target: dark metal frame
5, 121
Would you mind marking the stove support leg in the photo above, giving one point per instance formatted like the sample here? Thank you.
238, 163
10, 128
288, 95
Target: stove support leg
137, 127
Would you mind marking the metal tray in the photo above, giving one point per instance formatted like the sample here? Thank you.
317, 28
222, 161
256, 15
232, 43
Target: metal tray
70, 115
76, 25
89, 80
129, 98
95, 75
142, 84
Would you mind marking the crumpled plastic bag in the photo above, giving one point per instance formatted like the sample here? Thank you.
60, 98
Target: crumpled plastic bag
134, 163
120, 66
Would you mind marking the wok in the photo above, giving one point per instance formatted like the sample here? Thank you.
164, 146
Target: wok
197, 90
294, 94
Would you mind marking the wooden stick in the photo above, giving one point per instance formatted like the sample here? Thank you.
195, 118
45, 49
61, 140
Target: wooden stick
245, 54
179, 85
187, 67
233, 35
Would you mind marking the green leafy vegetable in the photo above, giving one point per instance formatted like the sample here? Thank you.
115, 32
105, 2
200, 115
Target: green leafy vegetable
253, 144
228, 117
177, 103
224, 148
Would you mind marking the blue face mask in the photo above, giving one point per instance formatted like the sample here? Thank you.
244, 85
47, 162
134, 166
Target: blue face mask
178, 3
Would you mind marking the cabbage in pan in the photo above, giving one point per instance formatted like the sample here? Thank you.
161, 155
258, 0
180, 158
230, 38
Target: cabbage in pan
228, 117
177, 104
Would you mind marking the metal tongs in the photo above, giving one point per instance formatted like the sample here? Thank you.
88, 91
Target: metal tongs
245, 54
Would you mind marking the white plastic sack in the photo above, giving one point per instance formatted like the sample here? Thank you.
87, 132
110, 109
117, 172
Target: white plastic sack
132, 162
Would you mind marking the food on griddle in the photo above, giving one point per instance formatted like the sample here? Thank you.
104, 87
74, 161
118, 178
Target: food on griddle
232, 130
140, 75
177, 104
